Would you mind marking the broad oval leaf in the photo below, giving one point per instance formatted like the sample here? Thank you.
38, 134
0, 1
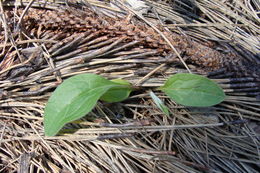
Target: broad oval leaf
73, 99
117, 94
193, 90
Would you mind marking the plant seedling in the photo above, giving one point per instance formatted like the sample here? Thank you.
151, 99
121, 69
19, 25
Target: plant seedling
78, 95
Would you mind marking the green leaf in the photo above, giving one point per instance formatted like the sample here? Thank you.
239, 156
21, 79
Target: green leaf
73, 99
117, 94
193, 90
159, 103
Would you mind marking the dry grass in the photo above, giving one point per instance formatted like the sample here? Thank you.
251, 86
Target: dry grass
134, 136
233, 22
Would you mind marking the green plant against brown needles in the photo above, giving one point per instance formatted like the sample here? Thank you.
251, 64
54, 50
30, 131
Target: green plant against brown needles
78, 95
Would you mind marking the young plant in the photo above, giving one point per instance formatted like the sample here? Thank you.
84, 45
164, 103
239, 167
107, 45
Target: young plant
78, 95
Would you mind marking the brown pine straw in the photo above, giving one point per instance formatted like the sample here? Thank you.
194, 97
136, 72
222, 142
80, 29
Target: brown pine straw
132, 136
